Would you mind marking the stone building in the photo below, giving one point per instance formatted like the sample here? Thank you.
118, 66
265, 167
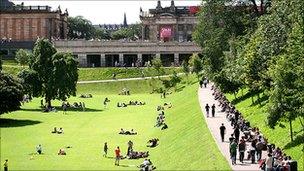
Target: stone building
167, 34
19, 23
173, 23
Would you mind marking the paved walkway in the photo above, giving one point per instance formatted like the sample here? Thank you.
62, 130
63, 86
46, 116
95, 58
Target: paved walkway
124, 79
205, 96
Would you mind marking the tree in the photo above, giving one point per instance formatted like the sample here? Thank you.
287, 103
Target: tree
11, 93
196, 64
80, 28
157, 65
57, 72
23, 56
286, 97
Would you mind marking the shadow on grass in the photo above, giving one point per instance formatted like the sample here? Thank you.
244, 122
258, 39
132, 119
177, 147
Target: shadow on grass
242, 98
6, 123
297, 141
262, 101
59, 109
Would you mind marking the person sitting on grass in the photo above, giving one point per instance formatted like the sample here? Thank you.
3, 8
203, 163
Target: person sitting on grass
39, 149
165, 126
121, 131
60, 131
61, 152
146, 165
55, 130
153, 142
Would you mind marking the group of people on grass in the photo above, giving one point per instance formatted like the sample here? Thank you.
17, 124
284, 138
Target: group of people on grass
65, 105
252, 140
131, 132
134, 103
131, 154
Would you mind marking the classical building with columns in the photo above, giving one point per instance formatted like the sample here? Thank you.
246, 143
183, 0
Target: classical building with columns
167, 34
21, 25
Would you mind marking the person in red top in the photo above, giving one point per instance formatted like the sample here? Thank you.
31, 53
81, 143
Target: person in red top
117, 154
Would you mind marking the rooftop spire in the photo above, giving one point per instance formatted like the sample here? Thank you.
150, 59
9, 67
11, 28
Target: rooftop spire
158, 5
125, 24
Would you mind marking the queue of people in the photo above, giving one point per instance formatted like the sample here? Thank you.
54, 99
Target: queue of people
246, 138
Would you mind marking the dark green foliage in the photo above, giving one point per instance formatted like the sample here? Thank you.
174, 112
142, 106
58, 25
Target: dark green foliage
31, 82
11, 93
52, 75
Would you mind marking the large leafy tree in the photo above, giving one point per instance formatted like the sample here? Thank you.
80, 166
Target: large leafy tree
221, 20
52, 75
80, 28
10, 93
287, 95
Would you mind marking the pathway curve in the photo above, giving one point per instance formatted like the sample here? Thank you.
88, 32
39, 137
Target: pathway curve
205, 96
124, 79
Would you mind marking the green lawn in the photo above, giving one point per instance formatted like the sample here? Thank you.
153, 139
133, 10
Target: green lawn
86, 74
186, 145
257, 115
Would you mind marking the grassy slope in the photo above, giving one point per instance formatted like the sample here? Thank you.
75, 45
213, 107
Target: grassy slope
99, 73
187, 144
257, 115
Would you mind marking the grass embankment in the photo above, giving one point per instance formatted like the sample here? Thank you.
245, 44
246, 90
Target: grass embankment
186, 145
257, 115
87, 74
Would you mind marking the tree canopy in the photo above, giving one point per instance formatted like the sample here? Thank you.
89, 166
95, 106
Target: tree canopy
11, 93
51, 74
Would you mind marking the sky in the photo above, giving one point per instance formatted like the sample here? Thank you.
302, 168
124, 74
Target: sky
105, 11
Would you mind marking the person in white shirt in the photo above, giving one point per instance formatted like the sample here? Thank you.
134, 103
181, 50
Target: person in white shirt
269, 162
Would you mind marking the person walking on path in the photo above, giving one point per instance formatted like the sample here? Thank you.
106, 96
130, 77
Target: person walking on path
233, 149
242, 149
201, 83
5, 165
236, 133
105, 149
222, 132
117, 156
205, 82
207, 107
213, 110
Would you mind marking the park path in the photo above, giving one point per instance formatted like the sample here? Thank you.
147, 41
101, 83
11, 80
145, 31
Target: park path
205, 96
124, 79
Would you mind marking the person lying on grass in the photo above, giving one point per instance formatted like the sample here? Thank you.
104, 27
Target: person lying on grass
152, 142
121, 105
137, 154
127, 132
146, 165
60, 131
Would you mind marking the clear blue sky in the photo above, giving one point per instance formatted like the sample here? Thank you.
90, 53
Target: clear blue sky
108, 12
